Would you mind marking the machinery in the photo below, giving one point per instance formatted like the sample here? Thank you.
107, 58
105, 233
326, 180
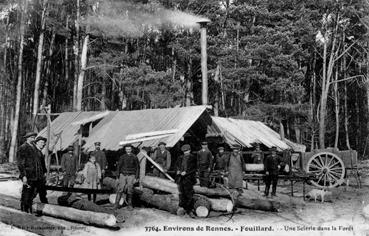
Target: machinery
329, 166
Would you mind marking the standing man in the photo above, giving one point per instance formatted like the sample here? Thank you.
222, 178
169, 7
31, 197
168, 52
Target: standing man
39, 184
235, 168
220, 163
256, 156
69, 164
100, 158
26, 156
163, 158
204, 163
186, 179
128, 171
271, 164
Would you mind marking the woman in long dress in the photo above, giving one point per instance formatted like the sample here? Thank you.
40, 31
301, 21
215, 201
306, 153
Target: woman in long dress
235, 169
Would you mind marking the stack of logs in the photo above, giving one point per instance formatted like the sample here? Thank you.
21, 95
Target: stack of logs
205, 199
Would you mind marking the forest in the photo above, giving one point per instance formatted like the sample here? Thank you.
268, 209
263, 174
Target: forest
299, 66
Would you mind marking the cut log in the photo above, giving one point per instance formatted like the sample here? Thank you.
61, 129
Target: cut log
366, 211
221, 204
28, 222
254, 167
161, 201
160, 184
256, 204
201, 205
69, 200
86, 217
170, 187
211, 192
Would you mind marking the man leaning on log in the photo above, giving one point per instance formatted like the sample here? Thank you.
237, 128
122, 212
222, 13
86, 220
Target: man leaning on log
186, 178
128, 171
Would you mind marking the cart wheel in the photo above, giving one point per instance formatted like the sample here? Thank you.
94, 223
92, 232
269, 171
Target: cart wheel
328, 168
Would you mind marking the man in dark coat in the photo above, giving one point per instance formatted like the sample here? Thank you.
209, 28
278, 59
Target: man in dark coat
40, 143
163, 158
271, 165
100, 158
32, 171
128, 171
69, 165
204, 163
186, 179
220, 164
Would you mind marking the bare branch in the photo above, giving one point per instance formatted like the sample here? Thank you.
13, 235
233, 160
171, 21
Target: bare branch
348, 78
344, 52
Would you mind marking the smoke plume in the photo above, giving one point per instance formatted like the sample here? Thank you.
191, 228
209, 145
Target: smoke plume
123, 19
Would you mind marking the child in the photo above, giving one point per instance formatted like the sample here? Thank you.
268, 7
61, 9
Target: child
92, 175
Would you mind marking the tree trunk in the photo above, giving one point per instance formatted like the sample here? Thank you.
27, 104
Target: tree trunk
216, 80
103, 95
161, 201
346, 119
39, 63
189, 92
337, 110
76, 58
201, 205
48, 70
19, 86
256, 204
86, 217
82, 73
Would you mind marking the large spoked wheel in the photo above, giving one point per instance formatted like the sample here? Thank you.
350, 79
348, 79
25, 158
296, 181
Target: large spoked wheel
328, 169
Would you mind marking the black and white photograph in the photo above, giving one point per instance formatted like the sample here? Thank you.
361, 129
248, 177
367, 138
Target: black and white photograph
184, 117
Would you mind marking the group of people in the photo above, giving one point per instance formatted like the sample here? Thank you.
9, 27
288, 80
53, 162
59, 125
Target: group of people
229, 165
32, 168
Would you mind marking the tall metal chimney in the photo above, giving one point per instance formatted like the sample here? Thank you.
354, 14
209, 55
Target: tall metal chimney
204, 61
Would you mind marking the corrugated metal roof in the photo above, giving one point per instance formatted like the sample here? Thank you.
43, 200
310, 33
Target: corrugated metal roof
63, 124
246, 132
114, 128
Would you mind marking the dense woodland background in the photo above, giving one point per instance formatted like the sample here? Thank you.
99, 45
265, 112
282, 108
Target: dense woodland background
300, 66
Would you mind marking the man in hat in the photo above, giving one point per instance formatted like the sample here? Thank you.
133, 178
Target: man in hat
69, 165
128, 171
204, 163
161, 156
235, 168
271, 165
220, 163
256, 156
39, 184
186, 179
100, 158
30, 170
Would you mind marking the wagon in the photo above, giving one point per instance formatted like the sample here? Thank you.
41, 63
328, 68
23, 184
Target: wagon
329, 166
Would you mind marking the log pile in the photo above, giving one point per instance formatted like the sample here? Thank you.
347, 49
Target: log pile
205, 199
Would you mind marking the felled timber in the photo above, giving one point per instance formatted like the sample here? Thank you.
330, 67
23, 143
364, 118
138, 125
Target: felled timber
170, 187
161, 201
69, 200
29, 222
256, 204
86, 217
201, 205
159, 184
221, 204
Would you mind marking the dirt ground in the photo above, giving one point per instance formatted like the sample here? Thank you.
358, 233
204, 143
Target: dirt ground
343, 215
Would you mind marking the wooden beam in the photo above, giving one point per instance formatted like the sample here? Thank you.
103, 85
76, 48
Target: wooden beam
156, 165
